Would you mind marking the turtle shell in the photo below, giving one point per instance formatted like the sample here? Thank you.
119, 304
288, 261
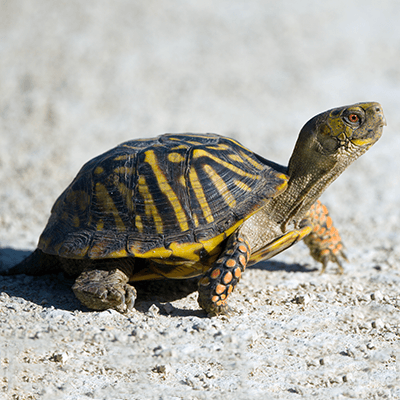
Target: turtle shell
175, 197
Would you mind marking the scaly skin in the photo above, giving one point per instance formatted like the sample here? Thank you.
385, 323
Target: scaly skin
326, 146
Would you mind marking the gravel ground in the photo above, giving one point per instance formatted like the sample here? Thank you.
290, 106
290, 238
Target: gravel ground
77, 78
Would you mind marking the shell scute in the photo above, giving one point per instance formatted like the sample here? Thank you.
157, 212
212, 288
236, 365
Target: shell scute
175, 196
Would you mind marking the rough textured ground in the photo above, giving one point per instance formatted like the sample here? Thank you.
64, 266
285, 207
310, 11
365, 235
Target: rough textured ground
77, 78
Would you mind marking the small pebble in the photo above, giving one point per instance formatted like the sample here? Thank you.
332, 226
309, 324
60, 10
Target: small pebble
154, 311
162, 369
302, 299
377, 296
348, 377
378, 324
59, 357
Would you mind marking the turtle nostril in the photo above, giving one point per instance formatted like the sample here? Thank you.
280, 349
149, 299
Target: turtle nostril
377, 109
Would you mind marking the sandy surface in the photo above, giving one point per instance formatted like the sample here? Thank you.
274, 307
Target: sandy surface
77, 78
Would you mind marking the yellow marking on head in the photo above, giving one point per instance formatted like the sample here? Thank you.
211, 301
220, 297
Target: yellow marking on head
107, 205
138, 223
253, 162
150, 208
220, 185
100, 225
242, 185
201, 198
175, 157
167, 190
99, 170
197, 153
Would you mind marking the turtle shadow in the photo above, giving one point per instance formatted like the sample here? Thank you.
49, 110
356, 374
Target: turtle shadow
54, 290
281, 266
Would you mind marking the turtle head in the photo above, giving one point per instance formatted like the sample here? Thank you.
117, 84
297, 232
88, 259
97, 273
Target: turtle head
337, 136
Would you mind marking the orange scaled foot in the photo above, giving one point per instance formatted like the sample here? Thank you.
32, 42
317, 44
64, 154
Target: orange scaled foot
324, 241
219, 281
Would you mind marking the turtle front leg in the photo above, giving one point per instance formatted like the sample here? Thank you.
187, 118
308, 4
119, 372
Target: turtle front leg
101, 289
220, 280
324, 241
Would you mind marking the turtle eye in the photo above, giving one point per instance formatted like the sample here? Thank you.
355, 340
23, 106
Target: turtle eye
353, 119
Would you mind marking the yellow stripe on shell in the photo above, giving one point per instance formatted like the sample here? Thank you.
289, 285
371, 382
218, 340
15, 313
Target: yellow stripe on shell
180, 147
78, 197
283, 185
127, 195
212, 243
220, 185
158, 252
100, 225
122, 158
253, 162
107, 205
186, 250
176, 157
167, 190
242, 185
197, 153
138, 223
194, 142
182, 181
199, 193
124, 170
219, 146
236, 158
118, 254
99, 170
150, 208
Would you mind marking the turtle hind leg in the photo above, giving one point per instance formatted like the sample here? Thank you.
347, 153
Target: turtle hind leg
37, 263
220, 280
324, 241
100, 287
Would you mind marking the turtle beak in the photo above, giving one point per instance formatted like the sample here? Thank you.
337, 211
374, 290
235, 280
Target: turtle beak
371, 129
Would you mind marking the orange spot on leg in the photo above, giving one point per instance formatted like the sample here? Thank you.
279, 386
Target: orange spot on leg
237, 273
220, 289
216, 273
231, 263
228, 277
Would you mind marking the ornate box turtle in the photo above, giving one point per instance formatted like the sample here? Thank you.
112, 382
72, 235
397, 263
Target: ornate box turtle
185, 205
